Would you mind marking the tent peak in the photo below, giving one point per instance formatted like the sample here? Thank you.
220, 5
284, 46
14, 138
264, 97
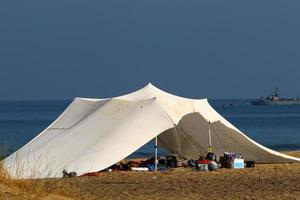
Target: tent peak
150, 85
151, 90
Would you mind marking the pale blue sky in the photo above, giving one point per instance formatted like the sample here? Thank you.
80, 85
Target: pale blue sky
60, 49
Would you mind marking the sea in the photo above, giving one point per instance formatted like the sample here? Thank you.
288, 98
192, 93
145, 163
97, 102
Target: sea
277, 127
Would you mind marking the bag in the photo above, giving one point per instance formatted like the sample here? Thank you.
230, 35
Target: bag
204, 161
171, 162
250, 164
162, 161
192, 163
232, 155
69, 175
212, 166
211, 156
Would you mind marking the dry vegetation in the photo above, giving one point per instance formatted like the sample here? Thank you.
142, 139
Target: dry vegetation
265, 181
29, 189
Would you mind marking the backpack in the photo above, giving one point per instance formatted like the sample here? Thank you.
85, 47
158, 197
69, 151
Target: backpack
211, 156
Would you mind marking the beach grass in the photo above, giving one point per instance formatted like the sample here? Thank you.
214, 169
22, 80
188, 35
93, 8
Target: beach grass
30, 188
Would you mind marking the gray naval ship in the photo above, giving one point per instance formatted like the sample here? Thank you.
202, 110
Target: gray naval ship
275, 99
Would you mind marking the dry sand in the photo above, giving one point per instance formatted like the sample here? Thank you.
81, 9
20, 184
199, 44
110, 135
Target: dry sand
265, 181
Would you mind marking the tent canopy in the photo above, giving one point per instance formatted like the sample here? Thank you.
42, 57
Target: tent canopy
93, 134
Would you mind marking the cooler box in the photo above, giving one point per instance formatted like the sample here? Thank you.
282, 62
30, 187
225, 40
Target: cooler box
203, 167
238, 164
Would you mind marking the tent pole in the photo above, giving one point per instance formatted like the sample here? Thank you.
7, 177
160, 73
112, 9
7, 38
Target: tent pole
155, 154
209, 136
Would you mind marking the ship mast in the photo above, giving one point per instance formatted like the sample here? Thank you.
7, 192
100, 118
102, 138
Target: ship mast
276, 92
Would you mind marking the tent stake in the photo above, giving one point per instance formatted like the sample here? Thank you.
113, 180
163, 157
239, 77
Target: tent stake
155, 154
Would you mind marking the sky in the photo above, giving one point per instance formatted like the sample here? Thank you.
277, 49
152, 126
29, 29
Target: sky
61, 49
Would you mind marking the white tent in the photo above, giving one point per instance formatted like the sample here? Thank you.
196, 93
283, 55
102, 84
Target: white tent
93, 134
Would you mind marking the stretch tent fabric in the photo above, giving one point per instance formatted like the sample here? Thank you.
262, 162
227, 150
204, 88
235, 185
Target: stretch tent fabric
93, 134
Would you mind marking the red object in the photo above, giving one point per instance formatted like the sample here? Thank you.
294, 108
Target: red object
133, 163
91, 174
204, 161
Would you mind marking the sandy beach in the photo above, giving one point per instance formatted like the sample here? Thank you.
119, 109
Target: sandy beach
265, 181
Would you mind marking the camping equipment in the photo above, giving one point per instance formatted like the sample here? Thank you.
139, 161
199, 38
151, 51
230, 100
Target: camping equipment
183, 163
250, 164
202, 167
91, 174
232, 155
171, 161
227, 161
155, 160
212, 166
192, 163
140, 169
211, 156
69, 175
162, 161
203, 161
125, 167
132, 163
238, 163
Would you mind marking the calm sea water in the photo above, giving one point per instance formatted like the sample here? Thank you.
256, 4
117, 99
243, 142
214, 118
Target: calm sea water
277, 127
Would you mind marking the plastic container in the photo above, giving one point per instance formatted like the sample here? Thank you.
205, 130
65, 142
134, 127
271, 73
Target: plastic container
203, 167
238, 163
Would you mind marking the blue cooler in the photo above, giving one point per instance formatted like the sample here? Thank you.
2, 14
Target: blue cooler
238, 163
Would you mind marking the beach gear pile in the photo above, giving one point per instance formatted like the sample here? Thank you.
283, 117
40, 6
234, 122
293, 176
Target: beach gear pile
232, 160
163, 163
210, 162
204, 163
